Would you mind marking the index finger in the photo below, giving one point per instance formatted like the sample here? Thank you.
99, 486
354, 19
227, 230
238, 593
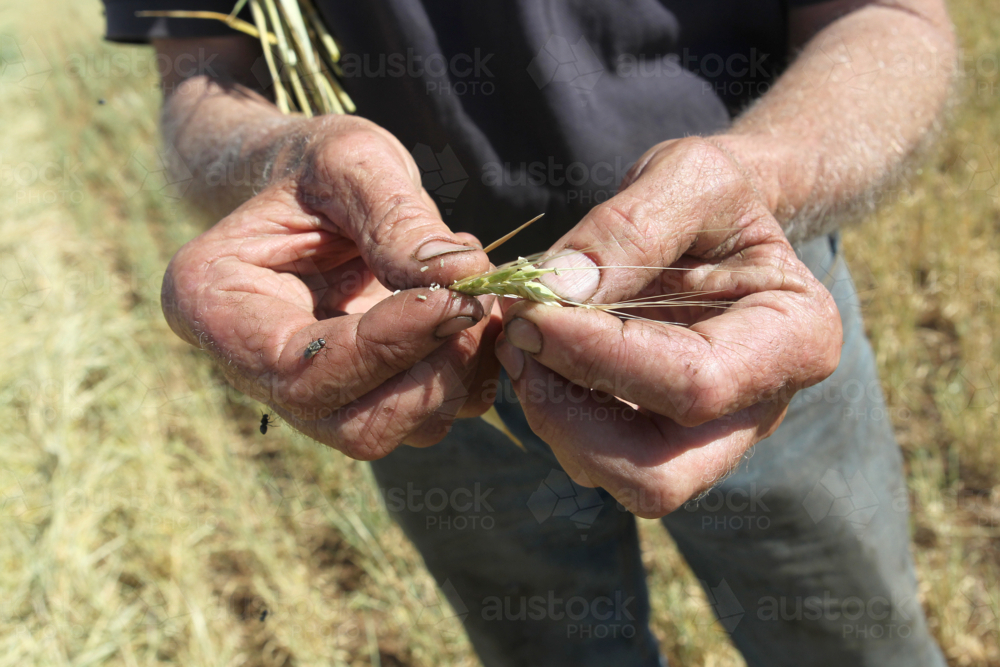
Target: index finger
369, 187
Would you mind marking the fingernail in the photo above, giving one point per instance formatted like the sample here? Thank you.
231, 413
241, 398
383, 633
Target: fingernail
578, 283
511, 358
453, 326
433, 249
523, 334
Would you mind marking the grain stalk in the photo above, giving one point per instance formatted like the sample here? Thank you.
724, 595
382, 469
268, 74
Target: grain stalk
302, 56
519, 279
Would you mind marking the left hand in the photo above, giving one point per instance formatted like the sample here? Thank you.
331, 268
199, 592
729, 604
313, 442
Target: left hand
705, 393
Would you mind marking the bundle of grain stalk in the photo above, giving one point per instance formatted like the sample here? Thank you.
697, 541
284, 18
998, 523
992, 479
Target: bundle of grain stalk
301, 54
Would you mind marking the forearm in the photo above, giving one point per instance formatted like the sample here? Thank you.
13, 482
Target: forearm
840, 124
226, 139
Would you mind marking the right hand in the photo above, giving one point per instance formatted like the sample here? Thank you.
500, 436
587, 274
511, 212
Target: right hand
316, 254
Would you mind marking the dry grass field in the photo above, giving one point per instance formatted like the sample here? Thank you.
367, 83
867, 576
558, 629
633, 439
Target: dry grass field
143, 520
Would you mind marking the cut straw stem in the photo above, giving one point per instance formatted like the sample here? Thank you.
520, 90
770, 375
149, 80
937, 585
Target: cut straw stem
506, 237
301, 54
228, 19
280, 96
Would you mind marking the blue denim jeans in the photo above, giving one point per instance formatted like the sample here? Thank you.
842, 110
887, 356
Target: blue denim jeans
803, 553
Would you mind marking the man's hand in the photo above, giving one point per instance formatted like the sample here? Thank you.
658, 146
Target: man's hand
835, 128
342, 221
705, 393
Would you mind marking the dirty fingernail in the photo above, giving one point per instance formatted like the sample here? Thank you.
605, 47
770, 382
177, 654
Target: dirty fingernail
523, 334
578, 282
511, 358
433, 249
453, 326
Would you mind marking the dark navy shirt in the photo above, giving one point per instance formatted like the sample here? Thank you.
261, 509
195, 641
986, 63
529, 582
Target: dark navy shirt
517, 107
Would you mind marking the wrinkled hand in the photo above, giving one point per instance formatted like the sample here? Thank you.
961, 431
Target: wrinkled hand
705, 393
315, 255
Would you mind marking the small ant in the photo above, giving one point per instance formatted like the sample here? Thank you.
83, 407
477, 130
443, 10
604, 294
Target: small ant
263, 615
265, 420
314, 347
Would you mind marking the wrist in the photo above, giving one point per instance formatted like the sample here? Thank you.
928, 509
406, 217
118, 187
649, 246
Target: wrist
224, 142
278, 149
300, 148
775, 168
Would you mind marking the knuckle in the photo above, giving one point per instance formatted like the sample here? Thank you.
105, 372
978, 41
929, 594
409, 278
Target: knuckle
361, 450
704, 395
652, 495
342, 129
828, 358
431, 432
541, 419
367, 130
701, 151
722, 183
831, 360
690, 414
356, 153
705, 158
664, 502
819, 351
475, 406
364, 439
339, 123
